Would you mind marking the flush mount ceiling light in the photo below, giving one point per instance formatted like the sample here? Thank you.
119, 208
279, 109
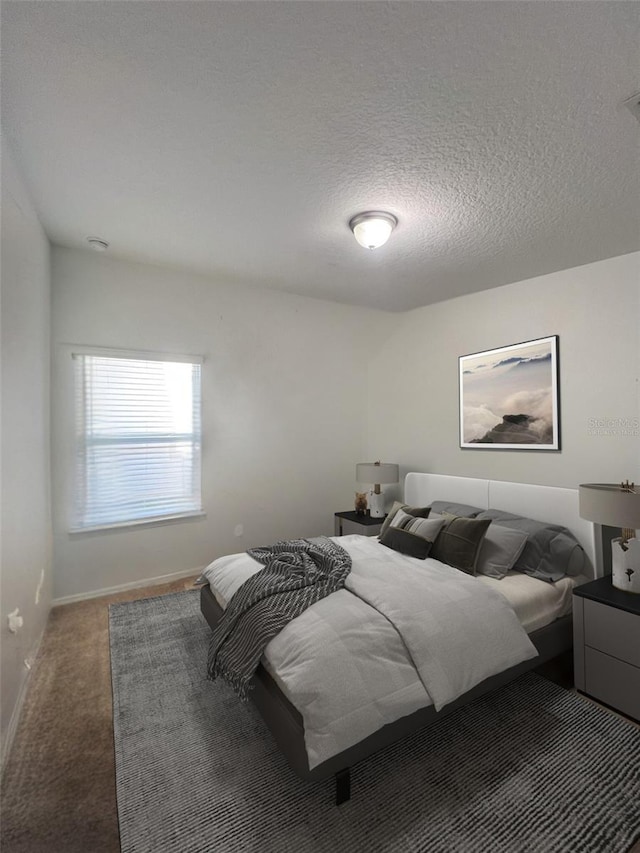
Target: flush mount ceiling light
97, 244
372, 228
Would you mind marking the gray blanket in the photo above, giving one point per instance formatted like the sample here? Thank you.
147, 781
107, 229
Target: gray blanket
296, 574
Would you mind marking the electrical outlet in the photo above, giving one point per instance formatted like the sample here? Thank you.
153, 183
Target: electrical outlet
15, 621
238, 530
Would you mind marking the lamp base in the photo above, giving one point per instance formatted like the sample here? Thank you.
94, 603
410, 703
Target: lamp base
625, 574
376, 505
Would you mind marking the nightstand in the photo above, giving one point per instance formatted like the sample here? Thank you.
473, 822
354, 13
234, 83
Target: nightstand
351, 522
606, 645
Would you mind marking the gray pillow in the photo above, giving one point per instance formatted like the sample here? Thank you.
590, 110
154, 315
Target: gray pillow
428, 528
416, 511
401, 519
499, 550
565, 558
459, 541
462, 510
551, 552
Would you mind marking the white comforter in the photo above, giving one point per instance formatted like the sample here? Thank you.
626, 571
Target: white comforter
349, 662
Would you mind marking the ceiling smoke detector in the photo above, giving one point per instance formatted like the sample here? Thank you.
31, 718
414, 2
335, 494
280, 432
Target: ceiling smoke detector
97, 244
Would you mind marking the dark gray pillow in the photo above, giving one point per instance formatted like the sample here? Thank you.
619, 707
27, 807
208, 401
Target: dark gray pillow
406, 542
551, 551
459, 541
462, 510
416, 511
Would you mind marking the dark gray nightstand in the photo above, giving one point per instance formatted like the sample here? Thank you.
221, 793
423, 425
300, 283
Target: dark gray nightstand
606, 645
351, 522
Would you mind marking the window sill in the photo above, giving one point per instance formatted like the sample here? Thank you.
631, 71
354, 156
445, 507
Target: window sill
138, 522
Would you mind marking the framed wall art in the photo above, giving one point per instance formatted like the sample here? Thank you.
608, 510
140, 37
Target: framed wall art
509, 397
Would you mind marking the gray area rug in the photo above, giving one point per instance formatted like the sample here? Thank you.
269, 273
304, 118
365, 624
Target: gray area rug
532, 767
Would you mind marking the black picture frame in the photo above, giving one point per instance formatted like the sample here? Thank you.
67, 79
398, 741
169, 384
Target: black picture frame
510, 397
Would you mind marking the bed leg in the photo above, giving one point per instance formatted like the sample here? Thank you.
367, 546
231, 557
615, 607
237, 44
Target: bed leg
343, 786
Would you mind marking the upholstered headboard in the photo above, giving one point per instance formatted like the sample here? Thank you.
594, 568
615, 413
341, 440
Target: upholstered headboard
543, 503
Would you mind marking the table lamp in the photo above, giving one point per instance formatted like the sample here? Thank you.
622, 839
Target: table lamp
617, 506
376, 473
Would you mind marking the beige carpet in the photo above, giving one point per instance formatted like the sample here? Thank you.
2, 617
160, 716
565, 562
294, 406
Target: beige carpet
58, 787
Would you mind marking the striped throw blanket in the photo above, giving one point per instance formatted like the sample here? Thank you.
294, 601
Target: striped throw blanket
296, 574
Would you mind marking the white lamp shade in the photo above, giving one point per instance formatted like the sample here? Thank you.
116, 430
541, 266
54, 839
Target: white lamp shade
369, 472
607, 503
372, 230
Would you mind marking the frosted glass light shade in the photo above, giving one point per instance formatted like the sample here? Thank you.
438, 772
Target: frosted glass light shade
373, 229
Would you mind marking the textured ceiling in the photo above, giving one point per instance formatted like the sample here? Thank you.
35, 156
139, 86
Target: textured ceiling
237, 139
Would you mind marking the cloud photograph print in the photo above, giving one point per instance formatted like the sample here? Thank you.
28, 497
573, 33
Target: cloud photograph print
508, 395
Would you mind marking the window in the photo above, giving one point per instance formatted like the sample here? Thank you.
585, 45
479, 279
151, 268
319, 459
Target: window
138, 438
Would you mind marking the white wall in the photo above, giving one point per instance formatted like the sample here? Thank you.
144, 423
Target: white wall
296, 391
595, 310
25, 561
284, 410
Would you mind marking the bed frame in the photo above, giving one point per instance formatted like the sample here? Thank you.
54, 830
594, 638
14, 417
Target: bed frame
544, 503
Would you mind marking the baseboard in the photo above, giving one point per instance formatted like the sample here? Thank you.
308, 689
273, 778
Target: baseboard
7, 743
98, 593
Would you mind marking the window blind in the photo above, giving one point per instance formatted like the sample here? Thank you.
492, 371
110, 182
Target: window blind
138, 439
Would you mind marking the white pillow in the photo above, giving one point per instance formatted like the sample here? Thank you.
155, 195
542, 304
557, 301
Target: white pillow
500, 550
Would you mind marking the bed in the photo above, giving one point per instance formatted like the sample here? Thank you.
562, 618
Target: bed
542, 609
